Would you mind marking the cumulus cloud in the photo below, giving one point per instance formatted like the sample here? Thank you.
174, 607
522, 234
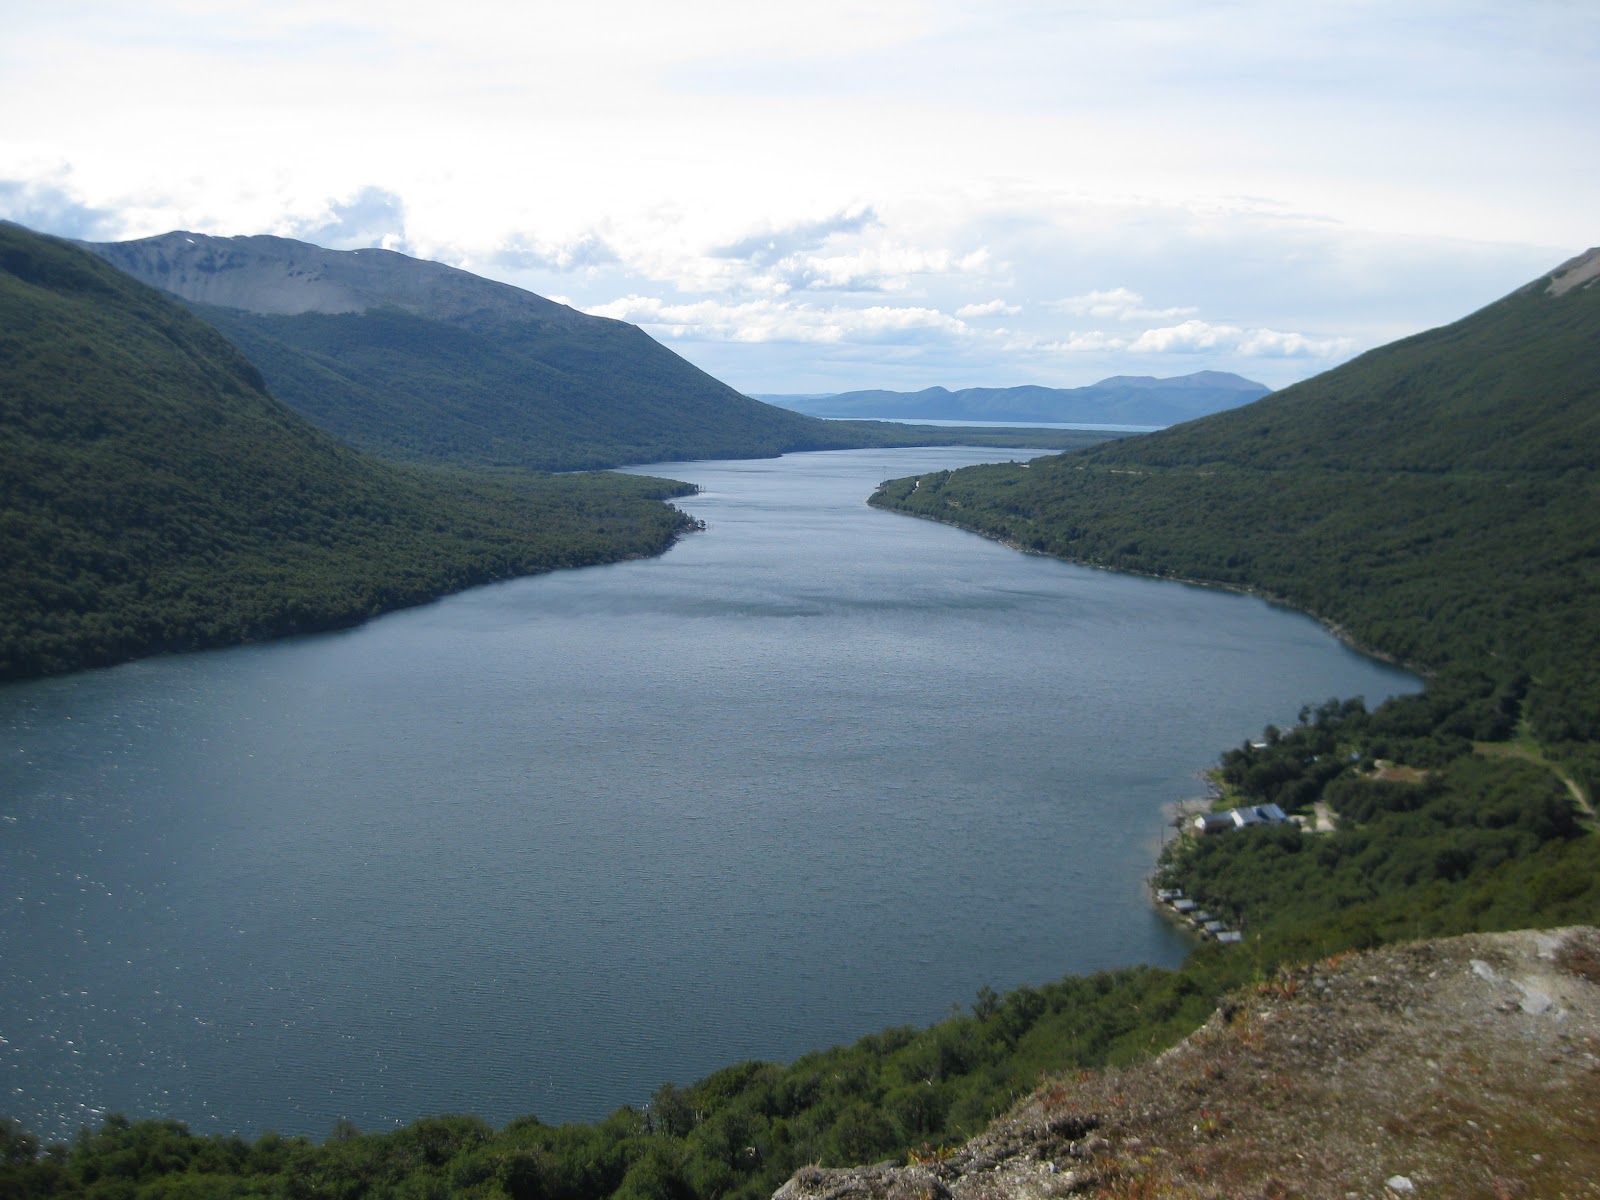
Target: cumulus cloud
886, 267
769, 320
372, 217
1117, 304
770, 246
828, 254
1093, 341
1195, 337
50, 208
993, 308
586, 251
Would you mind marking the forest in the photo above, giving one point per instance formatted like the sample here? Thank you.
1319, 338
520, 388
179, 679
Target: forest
155, 498
1434, 500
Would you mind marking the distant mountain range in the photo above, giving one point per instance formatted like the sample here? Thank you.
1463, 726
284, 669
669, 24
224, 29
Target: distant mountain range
417, 361
1120, 400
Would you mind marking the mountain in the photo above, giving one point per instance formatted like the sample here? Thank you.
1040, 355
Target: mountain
154, 497
1435, 498
1438, 492
421, 362
1120, 400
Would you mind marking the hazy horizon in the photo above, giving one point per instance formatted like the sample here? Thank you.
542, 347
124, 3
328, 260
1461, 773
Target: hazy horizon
831, 199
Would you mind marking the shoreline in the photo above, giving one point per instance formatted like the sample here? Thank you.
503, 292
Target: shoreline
1343, 635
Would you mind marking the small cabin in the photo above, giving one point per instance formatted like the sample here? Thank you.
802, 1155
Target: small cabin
1213, 822
1240, 818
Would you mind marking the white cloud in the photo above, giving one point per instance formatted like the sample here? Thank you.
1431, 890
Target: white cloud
887, 266
769, 246
1269, 343
760, 321
372, 217
583, 252
1117, 304
1091, 342
1359, 171
44, 205
991, 308
1192, 337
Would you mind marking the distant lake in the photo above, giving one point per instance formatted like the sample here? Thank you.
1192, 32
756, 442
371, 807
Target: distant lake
543, 846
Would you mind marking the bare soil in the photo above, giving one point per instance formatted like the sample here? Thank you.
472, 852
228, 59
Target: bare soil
1462, 1068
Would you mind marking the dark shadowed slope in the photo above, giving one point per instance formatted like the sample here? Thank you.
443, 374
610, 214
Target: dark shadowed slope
154, 497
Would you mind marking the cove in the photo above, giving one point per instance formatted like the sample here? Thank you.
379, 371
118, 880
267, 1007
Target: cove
543, 846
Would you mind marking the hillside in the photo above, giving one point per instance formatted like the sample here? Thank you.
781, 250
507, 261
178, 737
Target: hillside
1434, 498
420, 362
1466, 1067
1460, 1068
1120, 400
155, 497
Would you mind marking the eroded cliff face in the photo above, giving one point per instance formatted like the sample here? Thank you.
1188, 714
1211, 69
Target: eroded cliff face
1465, 1067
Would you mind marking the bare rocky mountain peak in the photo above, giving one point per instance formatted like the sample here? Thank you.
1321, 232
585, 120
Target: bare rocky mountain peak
1576, 272
276, 276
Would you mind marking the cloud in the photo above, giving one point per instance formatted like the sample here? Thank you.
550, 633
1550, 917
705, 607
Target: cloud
1269, 343
1118, 304
828, 254
1193, 337
371, 217
771, 246
50, 208
993, 308
1093, 341
883, 268
768, 320
587, 251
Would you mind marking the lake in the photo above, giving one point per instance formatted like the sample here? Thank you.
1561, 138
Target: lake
545, 845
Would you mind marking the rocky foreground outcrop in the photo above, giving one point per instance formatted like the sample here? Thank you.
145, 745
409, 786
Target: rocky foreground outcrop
1466, 1067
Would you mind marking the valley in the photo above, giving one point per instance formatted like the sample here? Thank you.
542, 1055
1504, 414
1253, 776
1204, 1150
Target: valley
1432, 498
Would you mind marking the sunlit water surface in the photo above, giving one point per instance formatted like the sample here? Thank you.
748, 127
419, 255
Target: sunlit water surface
545, 845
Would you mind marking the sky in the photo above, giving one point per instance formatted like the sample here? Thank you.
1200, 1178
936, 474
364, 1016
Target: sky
831, 195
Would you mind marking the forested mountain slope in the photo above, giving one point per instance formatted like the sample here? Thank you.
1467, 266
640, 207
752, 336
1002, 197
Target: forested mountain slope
1513, 387
1436, 498
155, 497
418, 361
1476, 833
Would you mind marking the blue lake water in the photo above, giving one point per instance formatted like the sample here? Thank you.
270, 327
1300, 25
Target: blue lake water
545, 845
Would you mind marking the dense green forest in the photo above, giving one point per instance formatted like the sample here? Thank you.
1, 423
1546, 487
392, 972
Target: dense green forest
1435, 499
407, 387
156, 498
1452, 527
